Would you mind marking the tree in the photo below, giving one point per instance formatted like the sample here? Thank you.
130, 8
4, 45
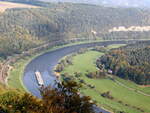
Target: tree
63, 99
67, 96
13, 102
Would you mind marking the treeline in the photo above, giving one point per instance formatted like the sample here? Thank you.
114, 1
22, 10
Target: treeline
27, 28
63, 63
11, 46
131, 62
63, 99
96, 74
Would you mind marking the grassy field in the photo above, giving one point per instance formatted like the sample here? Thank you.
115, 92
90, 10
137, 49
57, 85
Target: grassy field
134, 86
14, 79
2, 89
131, 101
8, 5
78, 65
115, 46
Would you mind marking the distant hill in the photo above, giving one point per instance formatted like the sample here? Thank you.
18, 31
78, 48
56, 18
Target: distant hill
22, 29
109, 3
113, 3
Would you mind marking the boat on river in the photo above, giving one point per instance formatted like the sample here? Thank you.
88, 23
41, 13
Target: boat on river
39, 78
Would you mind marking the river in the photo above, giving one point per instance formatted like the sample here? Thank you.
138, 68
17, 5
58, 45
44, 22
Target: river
46, 62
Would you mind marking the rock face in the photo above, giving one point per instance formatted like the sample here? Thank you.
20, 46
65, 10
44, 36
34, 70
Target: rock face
131, 28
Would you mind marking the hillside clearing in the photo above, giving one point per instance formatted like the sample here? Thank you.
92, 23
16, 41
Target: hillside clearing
9, 5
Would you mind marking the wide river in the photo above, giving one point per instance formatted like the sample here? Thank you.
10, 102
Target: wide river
46, 62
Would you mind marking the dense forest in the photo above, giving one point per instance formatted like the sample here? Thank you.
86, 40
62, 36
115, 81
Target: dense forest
131, 62
22, 29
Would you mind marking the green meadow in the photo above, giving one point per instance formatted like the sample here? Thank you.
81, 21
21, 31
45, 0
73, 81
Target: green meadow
129, 101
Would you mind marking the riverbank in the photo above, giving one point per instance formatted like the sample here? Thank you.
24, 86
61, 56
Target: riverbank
14, 79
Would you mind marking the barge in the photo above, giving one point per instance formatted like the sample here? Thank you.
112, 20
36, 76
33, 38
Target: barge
39, 78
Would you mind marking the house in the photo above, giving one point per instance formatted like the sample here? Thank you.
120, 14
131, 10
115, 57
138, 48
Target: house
110, 71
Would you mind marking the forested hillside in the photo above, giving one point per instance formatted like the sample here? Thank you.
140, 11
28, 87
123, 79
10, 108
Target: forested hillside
130, 62
21, 29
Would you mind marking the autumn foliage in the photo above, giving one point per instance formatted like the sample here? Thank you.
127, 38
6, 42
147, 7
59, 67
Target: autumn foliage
130, 62
63, 99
